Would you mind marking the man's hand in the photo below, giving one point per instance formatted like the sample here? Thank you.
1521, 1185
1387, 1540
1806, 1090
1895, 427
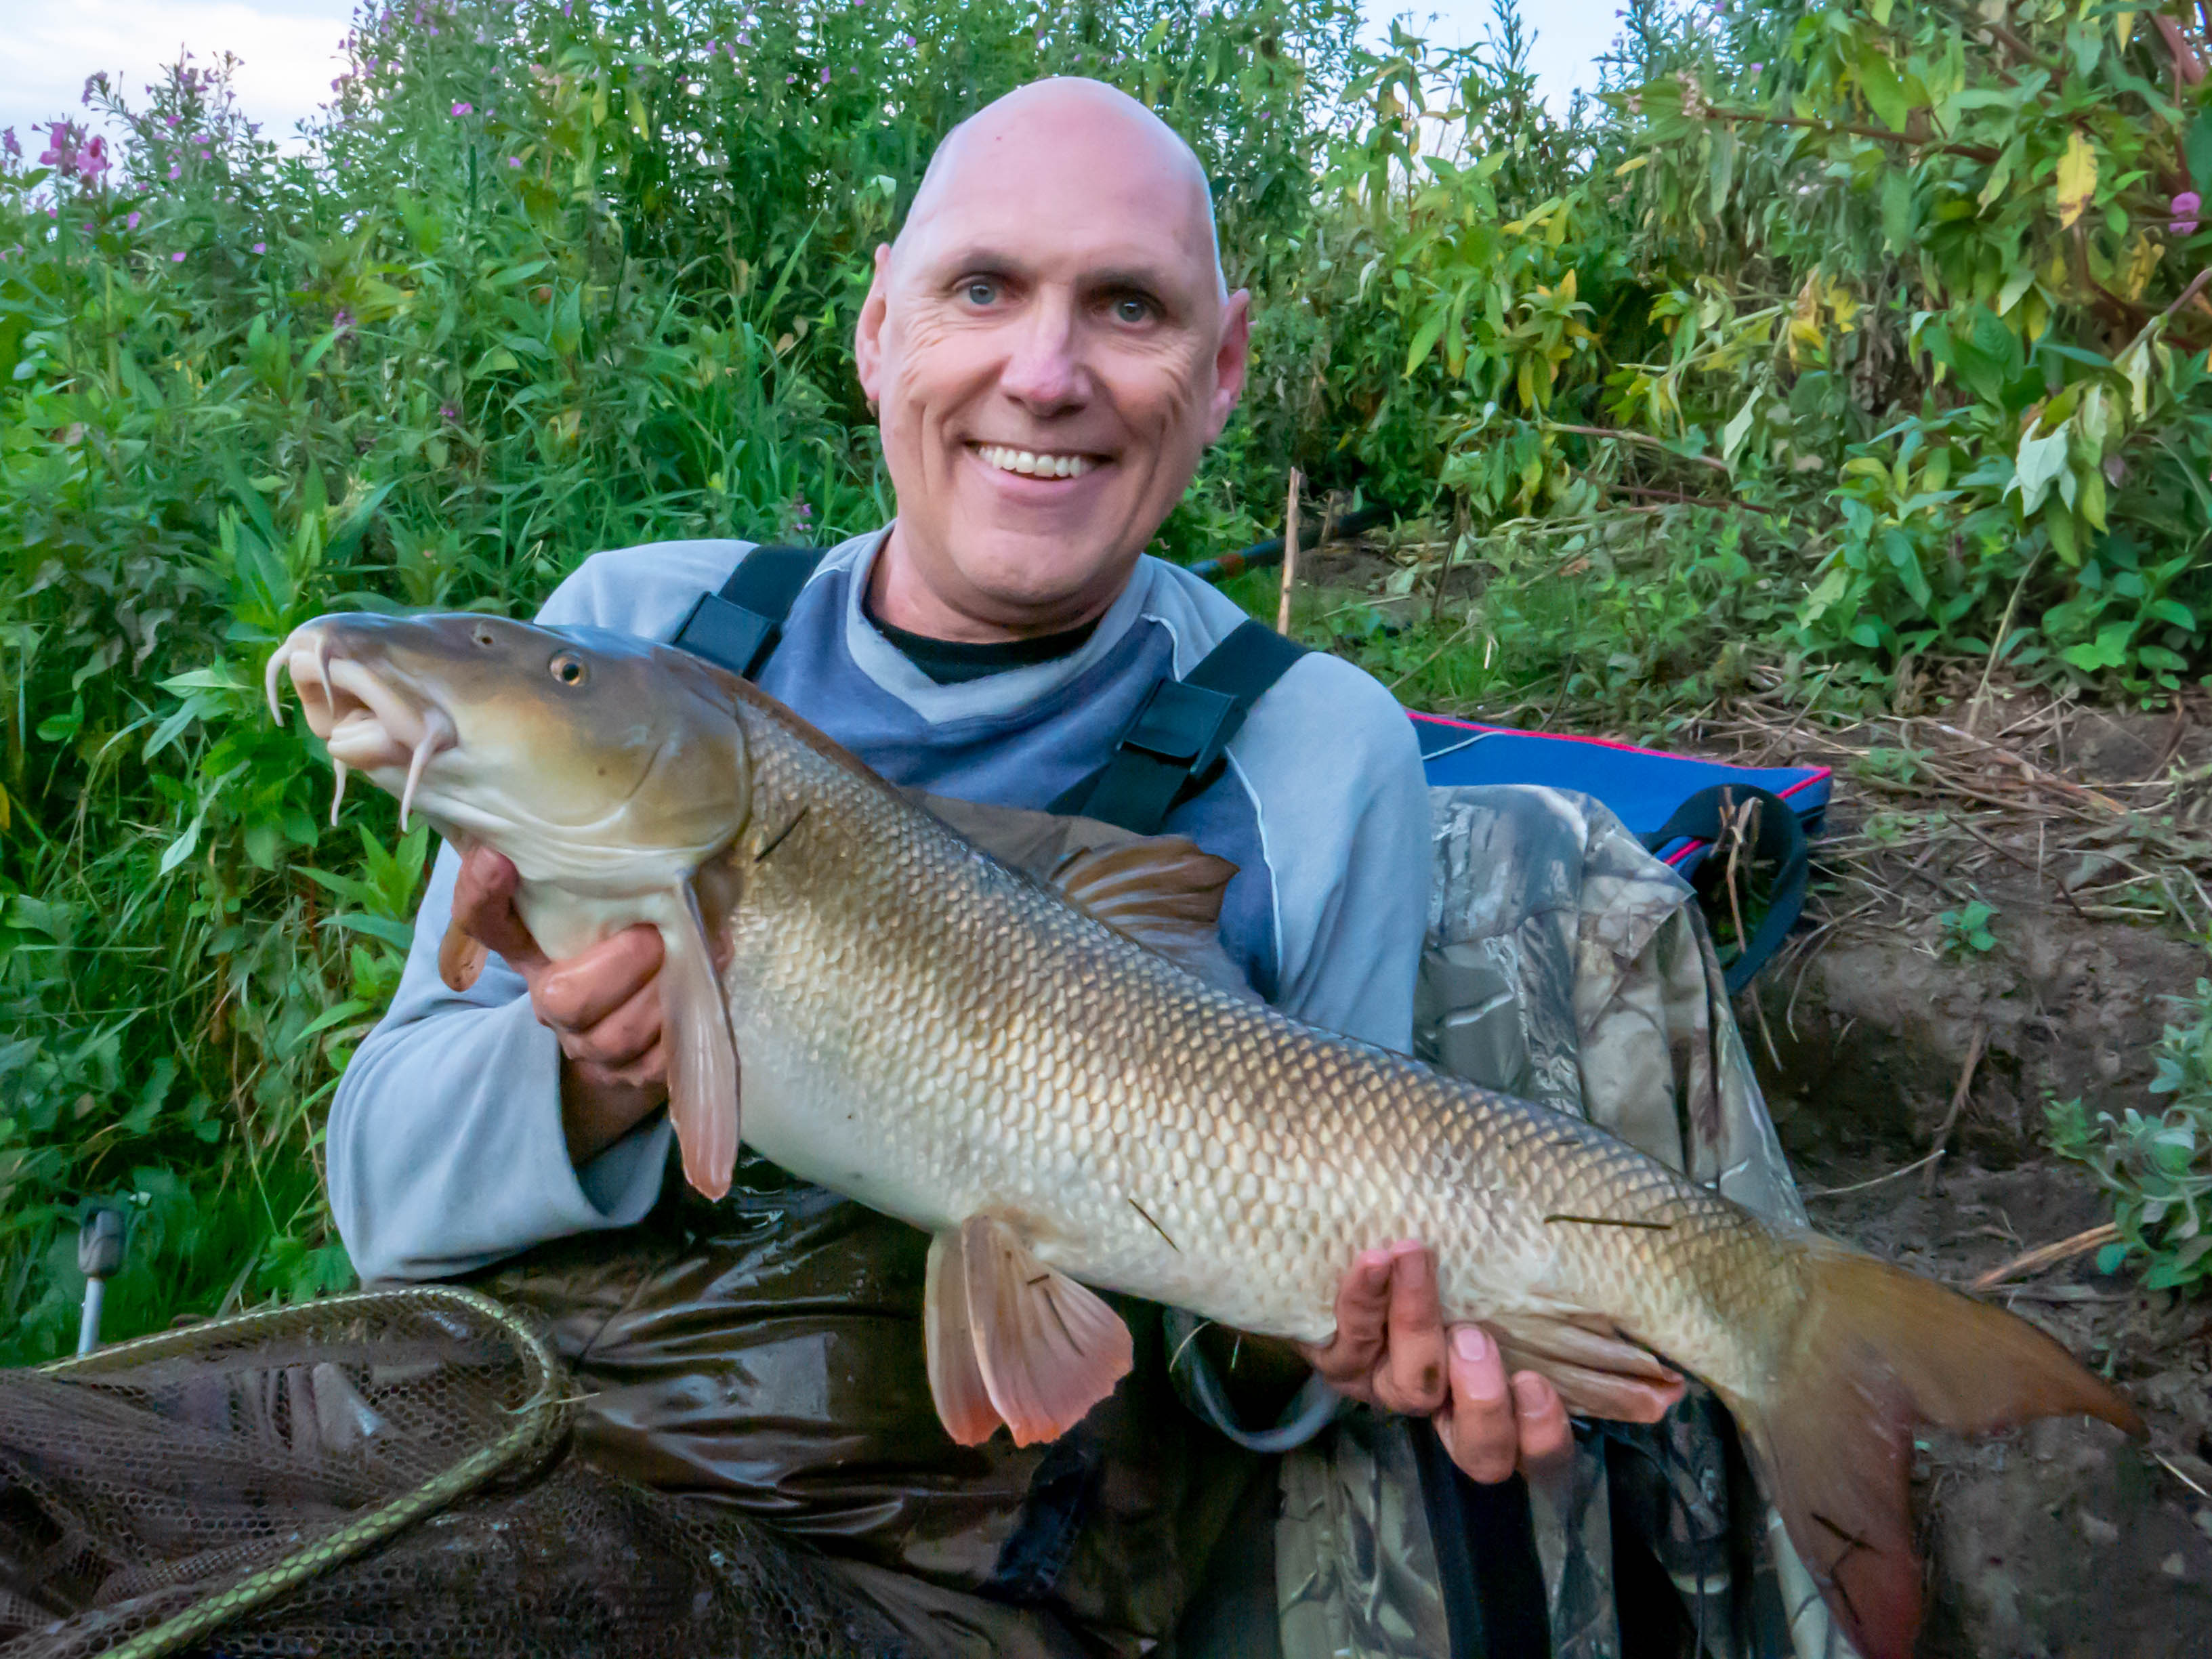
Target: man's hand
604, 1004
1391, 1350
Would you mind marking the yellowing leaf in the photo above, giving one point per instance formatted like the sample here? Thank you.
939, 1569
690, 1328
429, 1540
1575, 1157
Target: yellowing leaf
2077, 179
2124, 25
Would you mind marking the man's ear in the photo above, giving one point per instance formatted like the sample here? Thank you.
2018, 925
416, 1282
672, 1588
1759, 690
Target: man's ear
868, 332
1230, 358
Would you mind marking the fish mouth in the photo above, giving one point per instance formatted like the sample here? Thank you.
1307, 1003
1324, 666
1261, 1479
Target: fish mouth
369, 723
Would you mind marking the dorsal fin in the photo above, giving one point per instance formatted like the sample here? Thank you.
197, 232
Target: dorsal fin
1162, 891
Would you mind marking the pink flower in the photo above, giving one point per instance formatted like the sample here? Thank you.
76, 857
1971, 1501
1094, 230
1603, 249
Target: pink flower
176, 169
463, 109
261, 247
10, 143
178, 257
514, 160
2186, 207
341, 322
130, 221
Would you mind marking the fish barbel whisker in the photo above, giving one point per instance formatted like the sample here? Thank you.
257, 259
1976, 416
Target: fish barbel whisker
337, 793
438, 734
277, 660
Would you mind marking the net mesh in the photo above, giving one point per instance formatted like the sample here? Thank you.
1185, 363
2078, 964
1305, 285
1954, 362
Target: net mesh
382, 1474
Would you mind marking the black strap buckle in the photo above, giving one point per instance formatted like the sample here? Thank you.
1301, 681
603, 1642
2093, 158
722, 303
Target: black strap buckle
1181, 722
728, 636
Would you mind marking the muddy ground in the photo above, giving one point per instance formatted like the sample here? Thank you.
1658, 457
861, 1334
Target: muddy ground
2063, 1538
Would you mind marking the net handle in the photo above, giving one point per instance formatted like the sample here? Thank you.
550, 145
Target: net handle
537, 1420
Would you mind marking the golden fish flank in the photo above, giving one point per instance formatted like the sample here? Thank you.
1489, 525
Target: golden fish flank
979, 1053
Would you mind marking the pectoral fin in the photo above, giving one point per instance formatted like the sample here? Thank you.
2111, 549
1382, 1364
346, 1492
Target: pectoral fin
703, 1055
956, 1378
1012, 1340
460, 958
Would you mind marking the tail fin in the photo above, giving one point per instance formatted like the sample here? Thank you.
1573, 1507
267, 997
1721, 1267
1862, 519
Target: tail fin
1876, 1352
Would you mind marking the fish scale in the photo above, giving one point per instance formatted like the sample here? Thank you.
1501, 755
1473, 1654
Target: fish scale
1017, 1058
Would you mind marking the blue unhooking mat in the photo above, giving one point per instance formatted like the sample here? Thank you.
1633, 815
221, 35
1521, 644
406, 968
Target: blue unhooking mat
1673, 802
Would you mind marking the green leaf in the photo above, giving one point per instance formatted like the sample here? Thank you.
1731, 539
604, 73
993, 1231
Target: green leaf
1885, 94
391, 932
2038, 465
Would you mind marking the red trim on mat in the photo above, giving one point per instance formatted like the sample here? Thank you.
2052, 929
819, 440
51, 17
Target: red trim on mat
1819, 773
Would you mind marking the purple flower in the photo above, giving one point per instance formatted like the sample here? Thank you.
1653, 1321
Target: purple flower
463, 109
825, 76
744, 39
261, 247
341, 322
178, 257
908, 41
514, 160
176, 169
2186, 207
130, 221
449, 415
11, 144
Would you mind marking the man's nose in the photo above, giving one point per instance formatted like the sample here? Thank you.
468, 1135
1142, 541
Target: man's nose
1045, 367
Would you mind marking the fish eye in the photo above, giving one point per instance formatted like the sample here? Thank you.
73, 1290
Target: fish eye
482, 634
570, 671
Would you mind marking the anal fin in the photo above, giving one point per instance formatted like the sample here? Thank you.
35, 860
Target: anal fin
1039, 1349
703, 1055
1597, 1372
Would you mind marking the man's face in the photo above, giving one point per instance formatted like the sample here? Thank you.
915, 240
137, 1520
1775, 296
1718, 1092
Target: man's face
1050, 352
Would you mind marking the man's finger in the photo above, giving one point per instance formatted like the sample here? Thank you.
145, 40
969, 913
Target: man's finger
1363, 1308
484, 906
577, 993
1414, 1374
1477, 1424
1547, 1440
623, 1037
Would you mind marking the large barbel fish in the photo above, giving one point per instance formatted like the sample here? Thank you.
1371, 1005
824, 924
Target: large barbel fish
976, 1052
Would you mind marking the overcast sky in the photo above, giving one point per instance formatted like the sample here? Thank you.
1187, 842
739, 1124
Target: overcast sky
288, 48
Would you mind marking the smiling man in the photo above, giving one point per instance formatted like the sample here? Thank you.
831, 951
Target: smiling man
1050, 347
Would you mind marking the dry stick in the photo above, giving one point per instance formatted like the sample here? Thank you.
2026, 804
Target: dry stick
1861, 1186
1290, 556
1974, 708
2047, 1255
1974, 1045
1742, 827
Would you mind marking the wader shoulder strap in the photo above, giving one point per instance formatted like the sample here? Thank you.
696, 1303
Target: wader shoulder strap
1182, 730
737, 628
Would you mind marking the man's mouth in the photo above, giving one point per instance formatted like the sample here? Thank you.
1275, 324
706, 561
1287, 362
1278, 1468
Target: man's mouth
1035, 462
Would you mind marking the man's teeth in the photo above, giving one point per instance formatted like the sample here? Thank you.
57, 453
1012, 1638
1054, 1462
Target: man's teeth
1034, 465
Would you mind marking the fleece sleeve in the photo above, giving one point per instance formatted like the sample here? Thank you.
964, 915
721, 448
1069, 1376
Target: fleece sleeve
1334, 770
445, 1144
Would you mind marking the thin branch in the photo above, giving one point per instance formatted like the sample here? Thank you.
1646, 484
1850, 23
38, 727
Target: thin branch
1981, 153
1645, 438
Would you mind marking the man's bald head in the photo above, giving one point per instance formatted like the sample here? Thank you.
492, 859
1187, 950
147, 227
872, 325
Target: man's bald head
1082, 118
1051, 348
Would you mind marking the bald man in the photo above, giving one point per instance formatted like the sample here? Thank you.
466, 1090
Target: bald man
1050, 347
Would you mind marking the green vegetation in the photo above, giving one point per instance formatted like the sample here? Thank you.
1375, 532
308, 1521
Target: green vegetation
1835, 337
2157, 1171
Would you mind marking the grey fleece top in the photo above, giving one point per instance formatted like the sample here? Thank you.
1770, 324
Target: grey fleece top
445, 1144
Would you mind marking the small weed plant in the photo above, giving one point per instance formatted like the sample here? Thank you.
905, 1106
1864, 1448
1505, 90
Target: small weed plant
2156, 1168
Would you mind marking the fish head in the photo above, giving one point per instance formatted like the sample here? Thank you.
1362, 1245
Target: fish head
589, 758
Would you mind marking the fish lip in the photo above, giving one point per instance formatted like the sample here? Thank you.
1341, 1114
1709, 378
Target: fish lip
369, 718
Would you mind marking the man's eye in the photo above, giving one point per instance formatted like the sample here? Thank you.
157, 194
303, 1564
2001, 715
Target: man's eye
1129, 308
980, 292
